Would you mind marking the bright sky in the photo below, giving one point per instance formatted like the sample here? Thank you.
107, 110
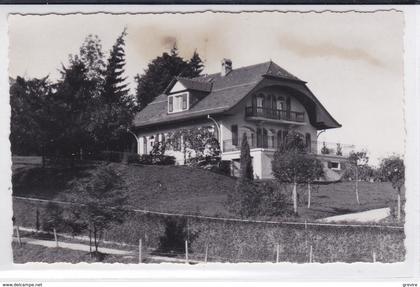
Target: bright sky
353, 62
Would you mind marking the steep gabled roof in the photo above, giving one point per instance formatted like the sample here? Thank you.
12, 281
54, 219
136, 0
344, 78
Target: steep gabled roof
223, 93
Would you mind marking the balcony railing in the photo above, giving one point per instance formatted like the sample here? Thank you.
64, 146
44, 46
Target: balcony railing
232, 145
284, 115
316, 147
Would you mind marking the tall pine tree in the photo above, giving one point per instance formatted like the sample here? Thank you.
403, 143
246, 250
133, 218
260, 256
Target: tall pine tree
116, 110
115, 88
74, 102
160, 73
195, 66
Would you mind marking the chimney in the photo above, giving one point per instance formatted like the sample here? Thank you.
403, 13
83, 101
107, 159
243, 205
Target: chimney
226, 67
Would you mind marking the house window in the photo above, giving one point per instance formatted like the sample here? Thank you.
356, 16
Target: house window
177, 103
285, 139
260, 105
265, 138
308, 141
144, 145
288, 104
184, 101
171, 104
234, 130
260, 101
262, 138
259, 137
279, 138
280, 104
333, 165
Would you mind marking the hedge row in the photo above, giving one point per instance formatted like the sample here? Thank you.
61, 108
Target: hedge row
256, 242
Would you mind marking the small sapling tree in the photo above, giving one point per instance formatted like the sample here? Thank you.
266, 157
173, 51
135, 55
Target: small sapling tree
196, 139
358, 160
98, 201
392, 169
312, 169
293, 165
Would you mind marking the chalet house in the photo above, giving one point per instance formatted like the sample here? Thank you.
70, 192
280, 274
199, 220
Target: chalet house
263, 100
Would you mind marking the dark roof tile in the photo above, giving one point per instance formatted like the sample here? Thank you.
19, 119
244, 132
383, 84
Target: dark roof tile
224, 92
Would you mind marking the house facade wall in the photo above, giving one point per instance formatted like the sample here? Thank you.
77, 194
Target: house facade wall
148, 137
238, 118
261, 157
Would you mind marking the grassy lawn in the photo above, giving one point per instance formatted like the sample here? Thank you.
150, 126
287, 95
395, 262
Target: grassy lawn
181, 189
34, 253
340, 198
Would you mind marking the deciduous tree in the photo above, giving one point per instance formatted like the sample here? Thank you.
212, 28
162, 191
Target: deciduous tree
393, 169
358, 160
31, 125
293, 165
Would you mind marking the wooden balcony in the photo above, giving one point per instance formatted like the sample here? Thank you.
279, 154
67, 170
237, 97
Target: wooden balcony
273, 114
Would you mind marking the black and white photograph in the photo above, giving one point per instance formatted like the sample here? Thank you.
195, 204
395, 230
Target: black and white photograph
208, 137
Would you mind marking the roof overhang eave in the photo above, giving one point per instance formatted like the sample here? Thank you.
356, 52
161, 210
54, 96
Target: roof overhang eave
166, 121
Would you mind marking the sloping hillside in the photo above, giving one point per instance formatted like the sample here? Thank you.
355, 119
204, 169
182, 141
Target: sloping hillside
160, 188
180, 189
176, 188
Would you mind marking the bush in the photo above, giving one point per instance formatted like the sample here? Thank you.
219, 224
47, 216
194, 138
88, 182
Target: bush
274, 200
225, 167
130, 158
253, 198
149, 159
176, 232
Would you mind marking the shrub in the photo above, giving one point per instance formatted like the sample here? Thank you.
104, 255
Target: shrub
130, 158
176, 232
273, 200
225, 167
157, 160
253, 198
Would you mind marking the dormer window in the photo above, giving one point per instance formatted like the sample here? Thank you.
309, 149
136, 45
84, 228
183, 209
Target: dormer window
178, 103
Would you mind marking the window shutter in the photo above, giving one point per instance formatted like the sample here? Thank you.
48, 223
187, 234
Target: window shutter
171, 104
329, 164
184, 101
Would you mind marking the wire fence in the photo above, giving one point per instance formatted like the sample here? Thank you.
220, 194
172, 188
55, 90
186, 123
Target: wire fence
218, 239
182, 215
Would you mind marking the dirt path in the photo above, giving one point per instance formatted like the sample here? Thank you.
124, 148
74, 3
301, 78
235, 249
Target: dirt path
373, 215
74, 246
84, 247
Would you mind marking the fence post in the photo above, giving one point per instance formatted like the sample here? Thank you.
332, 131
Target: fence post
90, 243
277, 253
186, 251
373, 256
55, 238
206, 252
140, 249
310, 255
18, 235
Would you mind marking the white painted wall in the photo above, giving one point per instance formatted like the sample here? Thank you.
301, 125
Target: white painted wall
261, 157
